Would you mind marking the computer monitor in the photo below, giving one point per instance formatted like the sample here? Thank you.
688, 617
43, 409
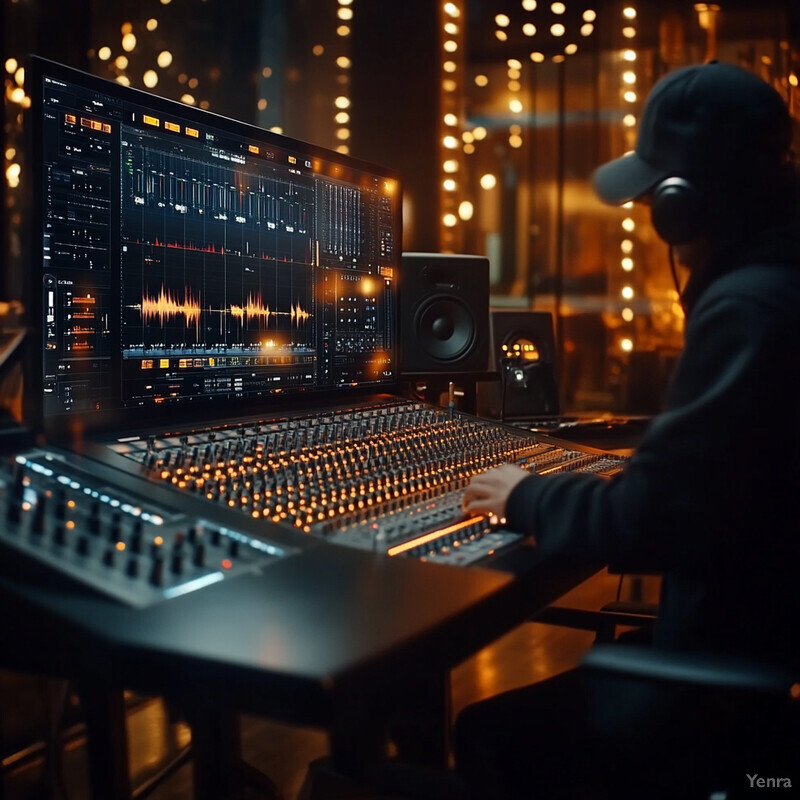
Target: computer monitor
186, 264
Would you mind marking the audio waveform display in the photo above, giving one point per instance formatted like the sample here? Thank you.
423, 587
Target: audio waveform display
221, 318
165, 307
188, 260
255, 309
216, 255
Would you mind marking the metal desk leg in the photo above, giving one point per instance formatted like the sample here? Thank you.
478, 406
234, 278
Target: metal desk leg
216, 748
219, 772
107, 742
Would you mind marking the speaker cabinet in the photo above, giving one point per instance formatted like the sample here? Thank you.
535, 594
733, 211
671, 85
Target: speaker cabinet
444, 314
524, 352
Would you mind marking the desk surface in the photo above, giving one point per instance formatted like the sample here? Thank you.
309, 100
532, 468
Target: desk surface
307, 623
284, 643
328, 636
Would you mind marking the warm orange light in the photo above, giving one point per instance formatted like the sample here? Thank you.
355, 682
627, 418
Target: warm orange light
430, 537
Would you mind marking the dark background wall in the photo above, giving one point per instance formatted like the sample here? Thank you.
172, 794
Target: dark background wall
395, 93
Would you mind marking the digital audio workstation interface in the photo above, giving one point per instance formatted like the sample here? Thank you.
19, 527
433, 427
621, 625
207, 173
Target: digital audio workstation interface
193, 268
189, 257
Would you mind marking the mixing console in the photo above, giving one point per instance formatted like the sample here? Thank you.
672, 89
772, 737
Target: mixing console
64, 521
388, 477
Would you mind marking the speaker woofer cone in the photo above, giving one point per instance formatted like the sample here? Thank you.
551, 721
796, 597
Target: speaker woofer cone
445, 328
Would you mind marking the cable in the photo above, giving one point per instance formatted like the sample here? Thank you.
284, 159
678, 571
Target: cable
503, 383
507, 361
674, 270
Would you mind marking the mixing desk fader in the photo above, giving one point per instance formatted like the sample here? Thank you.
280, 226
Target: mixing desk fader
62, 519
387, 477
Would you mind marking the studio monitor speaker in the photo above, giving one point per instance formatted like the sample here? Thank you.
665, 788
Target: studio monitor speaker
444, 314
524, 352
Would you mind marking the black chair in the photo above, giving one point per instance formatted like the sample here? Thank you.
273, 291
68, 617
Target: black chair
635, 613
760, 747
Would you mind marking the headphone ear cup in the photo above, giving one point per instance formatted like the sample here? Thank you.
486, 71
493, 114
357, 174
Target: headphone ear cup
676, 211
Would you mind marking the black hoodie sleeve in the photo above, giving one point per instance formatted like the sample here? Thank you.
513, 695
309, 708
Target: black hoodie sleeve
704, 480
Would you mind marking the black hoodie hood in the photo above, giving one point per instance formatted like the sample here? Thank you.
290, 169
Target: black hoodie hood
769, 246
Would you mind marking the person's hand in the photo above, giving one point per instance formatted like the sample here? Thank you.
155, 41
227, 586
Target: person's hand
488, 492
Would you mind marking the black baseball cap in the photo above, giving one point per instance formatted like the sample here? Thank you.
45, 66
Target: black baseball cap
708, 122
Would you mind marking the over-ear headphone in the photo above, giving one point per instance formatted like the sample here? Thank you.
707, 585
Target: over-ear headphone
677, 211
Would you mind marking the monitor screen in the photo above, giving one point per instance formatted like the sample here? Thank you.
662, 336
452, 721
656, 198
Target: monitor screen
185, 261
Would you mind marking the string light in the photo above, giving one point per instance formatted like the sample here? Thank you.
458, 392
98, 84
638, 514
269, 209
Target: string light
126, 66
628, 80
343, 64
456, 142
531, 25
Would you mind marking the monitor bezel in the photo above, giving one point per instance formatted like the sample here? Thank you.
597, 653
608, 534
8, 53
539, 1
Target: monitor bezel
196, 412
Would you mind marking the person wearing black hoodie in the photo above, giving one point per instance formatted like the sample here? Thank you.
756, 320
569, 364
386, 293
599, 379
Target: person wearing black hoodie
711, 497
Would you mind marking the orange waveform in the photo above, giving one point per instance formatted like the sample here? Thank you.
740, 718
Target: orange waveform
164, 307
298, 314
254, 308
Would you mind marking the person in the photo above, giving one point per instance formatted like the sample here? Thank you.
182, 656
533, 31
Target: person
710, 499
